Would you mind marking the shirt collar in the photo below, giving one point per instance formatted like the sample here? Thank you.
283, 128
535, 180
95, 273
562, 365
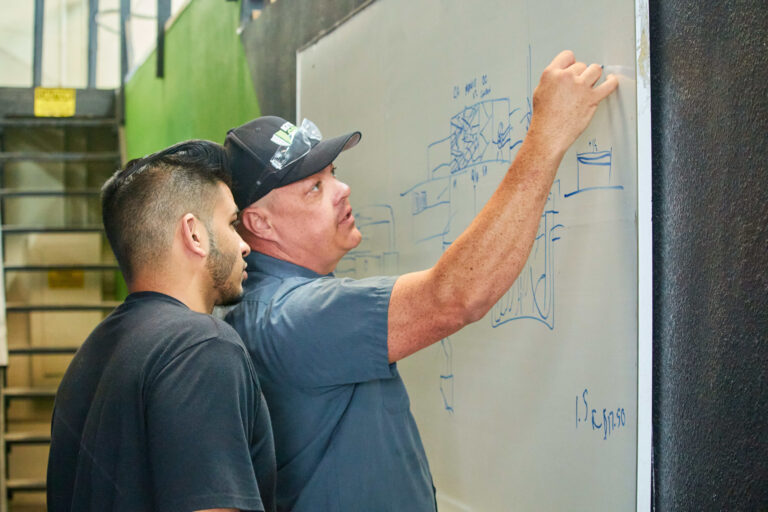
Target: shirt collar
147, 294
259, 262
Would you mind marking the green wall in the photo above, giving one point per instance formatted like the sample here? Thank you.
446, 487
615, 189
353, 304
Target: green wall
207, 88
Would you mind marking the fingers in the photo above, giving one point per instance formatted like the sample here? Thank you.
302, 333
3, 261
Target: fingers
592, 73
563, 60
607, 87
578, 68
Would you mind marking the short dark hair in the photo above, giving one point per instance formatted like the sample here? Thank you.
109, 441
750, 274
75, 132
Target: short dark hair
142, 202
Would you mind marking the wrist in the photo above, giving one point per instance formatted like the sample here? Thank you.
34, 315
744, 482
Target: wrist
544, 146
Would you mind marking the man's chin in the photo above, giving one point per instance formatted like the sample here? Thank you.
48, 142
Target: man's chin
357, 238
231, 298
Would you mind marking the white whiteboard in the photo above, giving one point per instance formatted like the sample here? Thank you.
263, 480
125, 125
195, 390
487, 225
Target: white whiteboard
535, 407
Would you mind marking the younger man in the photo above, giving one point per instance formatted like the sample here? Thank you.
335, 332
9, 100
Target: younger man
161, 408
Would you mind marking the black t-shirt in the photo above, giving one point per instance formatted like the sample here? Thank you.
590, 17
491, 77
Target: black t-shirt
160, 409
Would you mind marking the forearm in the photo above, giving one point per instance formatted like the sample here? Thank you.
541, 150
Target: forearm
481, 264
484, 261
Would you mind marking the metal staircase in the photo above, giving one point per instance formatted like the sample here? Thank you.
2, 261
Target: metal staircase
59, 276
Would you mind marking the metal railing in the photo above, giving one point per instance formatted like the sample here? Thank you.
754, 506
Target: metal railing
124, 11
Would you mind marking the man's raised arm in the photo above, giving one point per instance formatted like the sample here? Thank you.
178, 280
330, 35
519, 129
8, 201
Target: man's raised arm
484, 261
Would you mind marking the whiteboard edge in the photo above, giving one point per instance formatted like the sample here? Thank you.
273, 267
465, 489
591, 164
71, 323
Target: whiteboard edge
336, 25
645, 260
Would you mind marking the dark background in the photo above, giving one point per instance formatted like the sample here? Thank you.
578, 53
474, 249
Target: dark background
710, 235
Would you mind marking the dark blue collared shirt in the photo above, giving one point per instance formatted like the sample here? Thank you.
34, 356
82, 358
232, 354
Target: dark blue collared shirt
345, 438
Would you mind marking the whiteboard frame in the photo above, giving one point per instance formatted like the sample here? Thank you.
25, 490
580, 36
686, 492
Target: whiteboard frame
644, 259
644, 242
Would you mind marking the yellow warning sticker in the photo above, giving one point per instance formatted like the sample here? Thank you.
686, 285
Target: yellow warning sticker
54, 102
66, 279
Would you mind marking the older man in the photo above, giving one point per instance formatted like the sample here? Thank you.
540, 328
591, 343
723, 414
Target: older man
326, 348
161, 409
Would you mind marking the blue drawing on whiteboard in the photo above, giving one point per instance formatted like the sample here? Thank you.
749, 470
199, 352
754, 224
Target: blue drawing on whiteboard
464, 168
463, 171
594, 171
446, 376
532, 295
528, 113
376, 254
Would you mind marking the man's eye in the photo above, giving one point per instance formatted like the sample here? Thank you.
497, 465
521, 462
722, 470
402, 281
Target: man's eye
333, 171
235, 223
316, 186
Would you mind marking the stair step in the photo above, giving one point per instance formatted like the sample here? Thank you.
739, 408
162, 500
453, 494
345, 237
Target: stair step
22, 350
68, 266
27, 438
7, 192
25, 484
58, 122
97, 306
39, 156
51, 229
19, 392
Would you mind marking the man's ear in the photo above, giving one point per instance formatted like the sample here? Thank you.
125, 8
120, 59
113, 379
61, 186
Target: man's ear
256, 220
194, 235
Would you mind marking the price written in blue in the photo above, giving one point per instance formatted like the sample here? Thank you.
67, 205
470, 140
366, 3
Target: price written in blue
606, 421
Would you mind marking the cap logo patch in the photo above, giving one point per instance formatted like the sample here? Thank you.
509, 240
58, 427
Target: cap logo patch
284, 136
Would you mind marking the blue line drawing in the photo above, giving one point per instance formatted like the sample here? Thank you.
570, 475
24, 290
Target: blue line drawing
463, 170
532, 295
528, 114
462, 183
594, 171
446, 376
376, 254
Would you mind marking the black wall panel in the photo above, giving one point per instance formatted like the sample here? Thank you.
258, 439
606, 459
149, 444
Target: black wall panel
271, 42
709, 67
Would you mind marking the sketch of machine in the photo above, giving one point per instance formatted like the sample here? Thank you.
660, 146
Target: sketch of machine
464, 170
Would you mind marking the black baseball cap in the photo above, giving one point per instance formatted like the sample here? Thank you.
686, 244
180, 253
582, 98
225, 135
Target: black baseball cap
270, 152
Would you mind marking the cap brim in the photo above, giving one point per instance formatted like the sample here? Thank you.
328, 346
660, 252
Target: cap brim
320, 157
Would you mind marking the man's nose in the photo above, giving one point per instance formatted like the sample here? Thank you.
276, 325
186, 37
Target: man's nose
343, 191
245, 249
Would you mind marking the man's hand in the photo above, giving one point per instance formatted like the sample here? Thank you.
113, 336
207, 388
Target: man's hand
565, 101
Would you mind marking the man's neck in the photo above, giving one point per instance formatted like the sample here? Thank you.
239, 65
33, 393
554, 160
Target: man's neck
187, 293
273, 250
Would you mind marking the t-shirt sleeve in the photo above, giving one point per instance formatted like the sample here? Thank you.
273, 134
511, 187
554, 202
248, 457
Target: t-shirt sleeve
201, 410
329, 332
